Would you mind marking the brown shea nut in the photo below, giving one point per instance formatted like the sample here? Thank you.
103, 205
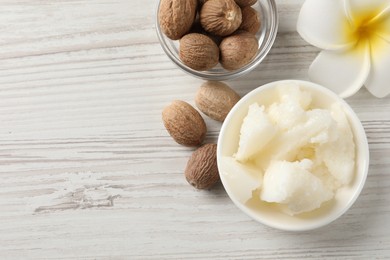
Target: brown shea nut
243, 3
184, 123
238, 50
220, 17
198, 51
202, 170
176, 17
250, 20
215, 99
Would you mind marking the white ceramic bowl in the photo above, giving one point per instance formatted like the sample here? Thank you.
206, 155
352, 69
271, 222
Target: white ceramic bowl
262, 212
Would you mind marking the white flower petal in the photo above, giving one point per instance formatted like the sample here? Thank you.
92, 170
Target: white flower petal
324, 24
343, 72
378, 82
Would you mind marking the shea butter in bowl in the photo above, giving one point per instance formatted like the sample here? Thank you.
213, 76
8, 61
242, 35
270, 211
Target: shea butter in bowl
293, 155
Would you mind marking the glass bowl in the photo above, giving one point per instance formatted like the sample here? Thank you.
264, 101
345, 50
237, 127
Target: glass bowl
265, 213
266, 37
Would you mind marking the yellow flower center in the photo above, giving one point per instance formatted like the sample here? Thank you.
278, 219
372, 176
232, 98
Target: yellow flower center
366, 27
364, 31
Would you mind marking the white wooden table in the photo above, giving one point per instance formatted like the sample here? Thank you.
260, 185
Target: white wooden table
87, 170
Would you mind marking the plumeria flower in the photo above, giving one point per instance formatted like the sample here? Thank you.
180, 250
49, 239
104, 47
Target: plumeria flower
355, 38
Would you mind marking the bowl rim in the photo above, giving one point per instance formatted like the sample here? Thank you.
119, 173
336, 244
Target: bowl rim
356, 125
227, 75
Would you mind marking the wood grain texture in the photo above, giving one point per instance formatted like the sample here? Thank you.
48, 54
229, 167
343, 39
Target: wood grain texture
88, 171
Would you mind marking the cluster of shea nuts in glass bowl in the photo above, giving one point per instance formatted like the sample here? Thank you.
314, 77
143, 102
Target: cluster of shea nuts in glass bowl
216, 39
